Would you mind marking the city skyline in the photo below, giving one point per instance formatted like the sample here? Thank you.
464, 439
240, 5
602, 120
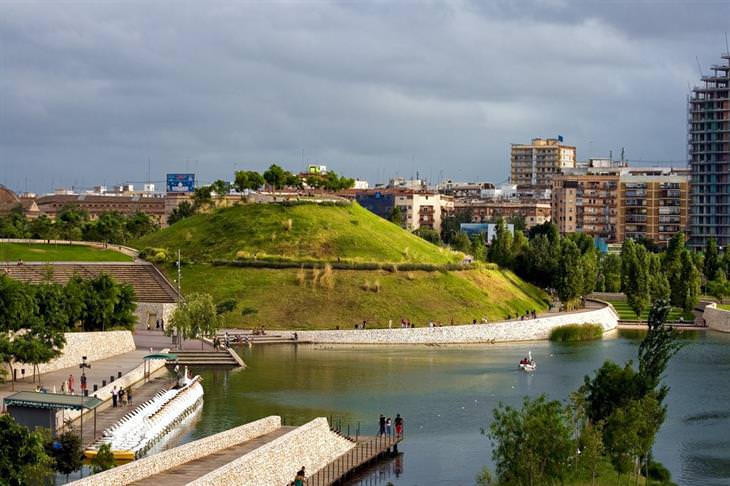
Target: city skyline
92, 92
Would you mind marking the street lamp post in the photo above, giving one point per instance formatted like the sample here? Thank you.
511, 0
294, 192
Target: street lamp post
83, 365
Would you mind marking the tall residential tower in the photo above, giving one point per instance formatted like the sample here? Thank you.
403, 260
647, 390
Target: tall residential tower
709, 156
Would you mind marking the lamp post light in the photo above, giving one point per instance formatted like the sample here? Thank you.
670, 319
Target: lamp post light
83, 365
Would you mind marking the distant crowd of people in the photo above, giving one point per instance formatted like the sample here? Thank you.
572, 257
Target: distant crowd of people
385, 425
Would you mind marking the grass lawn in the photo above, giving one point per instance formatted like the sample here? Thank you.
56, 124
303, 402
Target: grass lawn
287, 299
625, 312
724, 306
324, 232
58, 253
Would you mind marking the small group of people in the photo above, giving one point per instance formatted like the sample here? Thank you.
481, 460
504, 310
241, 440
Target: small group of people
362, 326
121, 397
159, 324
258, 331
299, 478
406, 323
385, 425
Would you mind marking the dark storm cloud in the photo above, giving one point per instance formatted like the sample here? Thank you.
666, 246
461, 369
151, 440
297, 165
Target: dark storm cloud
90, 91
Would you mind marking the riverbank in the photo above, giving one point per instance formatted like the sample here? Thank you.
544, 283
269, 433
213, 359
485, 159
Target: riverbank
497, 332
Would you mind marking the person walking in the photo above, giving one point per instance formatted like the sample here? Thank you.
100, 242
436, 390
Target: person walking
114, 397
129, 395
388, 427
122, 399
299, 479
381, 423
71, 384
398, 425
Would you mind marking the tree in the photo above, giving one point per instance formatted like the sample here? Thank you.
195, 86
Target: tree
590, 444
610, 271
66, 453
658, 282
589, 264
451, 224
195, 317
532, 445
478, 249
519, 246
712, 259
43, 228
202, 197
275, 176
634, 281
23, 459
500, 248
107, 304
140, 224
569, 278
248, 180
110, 227
690, 284
461, 242
225, 305
182, 211
396, 216
428, 234
539, 263
221, 188
659, 345
104, 459
719, 288
71, 220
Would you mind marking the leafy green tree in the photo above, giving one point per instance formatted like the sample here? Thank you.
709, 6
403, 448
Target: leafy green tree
195, 317
71, 220
719, 288
539, 262
104, 459
658, 282
519, 246
610, 271
140, 224
182, 211
43, 228
478, 249
591, 449
23, 459
532, 445
461, 242
451, 224
248, 179
75, 300
107, 304
569, 279
547, 229
634, 278
66, 453
202, 197
396, 216
712, 259
428, 234
690, 287
221, 188
589, 264
657, 348
500, 248
275, 176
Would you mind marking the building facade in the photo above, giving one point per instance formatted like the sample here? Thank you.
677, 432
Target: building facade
709, 156
619, 203
535, 164
484, 211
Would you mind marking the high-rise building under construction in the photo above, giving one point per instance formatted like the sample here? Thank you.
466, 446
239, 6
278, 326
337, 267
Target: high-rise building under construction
709, 156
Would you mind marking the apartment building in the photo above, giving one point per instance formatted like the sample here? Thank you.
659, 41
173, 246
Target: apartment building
535, 164
709, 156
616, 203
653, 204
418, 209
485, 211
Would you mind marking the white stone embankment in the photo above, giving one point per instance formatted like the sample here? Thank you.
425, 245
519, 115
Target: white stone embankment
157, 463
508, 331
94, 345
717, 319
312, 445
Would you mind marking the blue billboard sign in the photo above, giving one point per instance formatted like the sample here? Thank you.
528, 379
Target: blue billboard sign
180, 182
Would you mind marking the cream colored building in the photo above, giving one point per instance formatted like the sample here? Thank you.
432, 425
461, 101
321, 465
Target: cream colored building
535, 164
423, 210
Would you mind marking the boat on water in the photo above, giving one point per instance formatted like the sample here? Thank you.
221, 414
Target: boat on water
148, 423
528, 363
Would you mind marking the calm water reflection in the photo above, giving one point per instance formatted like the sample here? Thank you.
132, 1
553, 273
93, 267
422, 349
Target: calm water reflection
447, 394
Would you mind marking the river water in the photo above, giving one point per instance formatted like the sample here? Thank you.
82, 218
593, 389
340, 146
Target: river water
447, 394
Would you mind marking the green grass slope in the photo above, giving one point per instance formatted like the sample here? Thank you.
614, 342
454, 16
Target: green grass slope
325, 232
297, 299
58, 253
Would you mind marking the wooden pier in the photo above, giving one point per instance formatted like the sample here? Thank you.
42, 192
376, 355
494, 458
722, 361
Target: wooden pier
366, 451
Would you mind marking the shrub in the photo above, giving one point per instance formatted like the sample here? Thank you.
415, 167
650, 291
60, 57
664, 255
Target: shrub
301, 278
225, 305
576, 332
104, 459
376, 286
155, 255
328, 277
658, 472
316, 272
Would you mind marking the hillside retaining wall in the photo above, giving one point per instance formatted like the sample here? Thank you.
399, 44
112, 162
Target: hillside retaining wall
717, 319
312, 445
93, 345
527, 330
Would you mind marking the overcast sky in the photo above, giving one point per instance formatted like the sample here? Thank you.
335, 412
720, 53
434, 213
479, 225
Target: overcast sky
90, 91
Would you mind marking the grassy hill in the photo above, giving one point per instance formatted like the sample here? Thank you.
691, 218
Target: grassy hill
10, 252
299, 298
290, 299
325, 232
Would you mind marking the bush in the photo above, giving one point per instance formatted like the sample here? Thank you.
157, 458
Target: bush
658, 472
155, 255
576, 332
225, 305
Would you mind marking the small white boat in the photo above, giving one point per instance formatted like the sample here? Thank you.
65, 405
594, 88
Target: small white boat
528, 364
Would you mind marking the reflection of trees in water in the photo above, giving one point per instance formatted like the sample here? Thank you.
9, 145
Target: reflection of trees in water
380, 473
